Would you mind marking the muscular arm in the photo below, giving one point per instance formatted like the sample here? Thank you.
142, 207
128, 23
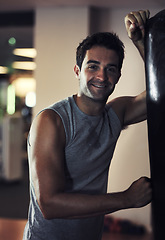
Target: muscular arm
47, 139
130, 110
133, 109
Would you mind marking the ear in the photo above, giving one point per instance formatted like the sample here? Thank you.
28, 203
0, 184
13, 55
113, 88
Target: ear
77, 71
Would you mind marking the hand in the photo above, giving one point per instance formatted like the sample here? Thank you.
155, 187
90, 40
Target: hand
139, 193
135, 22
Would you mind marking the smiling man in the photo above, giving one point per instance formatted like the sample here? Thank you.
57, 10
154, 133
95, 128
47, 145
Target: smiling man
99, 72
71, 144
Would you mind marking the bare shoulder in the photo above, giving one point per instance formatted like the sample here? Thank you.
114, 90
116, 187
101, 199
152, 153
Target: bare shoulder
48, 115
117, 104
46, 125
47, 155
47, 141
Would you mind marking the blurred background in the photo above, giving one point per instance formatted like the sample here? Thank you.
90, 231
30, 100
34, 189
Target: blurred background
38, 41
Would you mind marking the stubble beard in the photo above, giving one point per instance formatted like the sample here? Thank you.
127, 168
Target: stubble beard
95, 96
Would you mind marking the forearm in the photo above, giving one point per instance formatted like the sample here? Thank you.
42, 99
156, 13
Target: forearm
74, 205
140, 46
136, 110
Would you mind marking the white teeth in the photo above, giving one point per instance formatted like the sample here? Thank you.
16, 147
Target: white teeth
99, 86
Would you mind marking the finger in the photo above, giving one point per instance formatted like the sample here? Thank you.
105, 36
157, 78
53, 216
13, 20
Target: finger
135, 17
147, 13
144, 15
130, 19
140, 18
131, 24
135, 20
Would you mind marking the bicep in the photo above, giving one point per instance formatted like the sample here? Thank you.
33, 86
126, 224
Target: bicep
130, 109
135, 109
47, 155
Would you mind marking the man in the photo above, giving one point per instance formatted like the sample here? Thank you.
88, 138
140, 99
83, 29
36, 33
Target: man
72, 142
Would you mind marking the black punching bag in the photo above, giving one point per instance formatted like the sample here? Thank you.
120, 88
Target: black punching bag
155, 84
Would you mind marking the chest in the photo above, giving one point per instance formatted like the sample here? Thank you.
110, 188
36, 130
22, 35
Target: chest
90, 148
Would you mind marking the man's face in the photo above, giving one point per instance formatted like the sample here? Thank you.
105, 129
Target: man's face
99, 73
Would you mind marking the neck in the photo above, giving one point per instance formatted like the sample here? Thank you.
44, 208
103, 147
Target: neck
89, 106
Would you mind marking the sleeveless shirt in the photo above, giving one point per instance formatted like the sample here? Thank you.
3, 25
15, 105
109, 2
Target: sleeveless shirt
90, 143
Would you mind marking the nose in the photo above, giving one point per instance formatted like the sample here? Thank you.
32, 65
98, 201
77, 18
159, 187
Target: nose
101, 75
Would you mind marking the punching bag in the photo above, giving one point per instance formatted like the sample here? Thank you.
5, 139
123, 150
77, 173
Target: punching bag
155, 86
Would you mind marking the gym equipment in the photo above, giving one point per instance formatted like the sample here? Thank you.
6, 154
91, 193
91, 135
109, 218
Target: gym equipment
155, 86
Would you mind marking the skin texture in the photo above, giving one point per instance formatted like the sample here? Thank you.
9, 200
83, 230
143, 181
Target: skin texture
97, 79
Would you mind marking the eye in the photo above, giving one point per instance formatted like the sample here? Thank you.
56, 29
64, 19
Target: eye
93, 67
112, 69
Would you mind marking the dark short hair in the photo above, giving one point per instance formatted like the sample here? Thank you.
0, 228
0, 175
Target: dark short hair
106, 39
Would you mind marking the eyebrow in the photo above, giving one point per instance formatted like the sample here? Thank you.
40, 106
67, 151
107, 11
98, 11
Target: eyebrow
93, 61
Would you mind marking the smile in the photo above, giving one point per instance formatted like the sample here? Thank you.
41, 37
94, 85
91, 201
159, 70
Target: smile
99, 86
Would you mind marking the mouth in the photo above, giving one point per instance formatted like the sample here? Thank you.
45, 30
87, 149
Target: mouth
99, 85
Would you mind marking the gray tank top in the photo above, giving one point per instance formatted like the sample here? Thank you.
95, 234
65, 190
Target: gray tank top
90, 143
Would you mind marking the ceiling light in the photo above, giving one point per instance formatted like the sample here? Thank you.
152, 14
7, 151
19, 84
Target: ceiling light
3, 70
30, 99
10, 99
24, 65
25, 52
23, 85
